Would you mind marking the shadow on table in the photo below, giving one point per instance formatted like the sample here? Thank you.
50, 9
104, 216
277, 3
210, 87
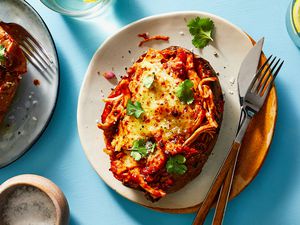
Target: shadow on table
73, 221
92, 32
63, 124
273, 186
128, 11
87, 34
147, 216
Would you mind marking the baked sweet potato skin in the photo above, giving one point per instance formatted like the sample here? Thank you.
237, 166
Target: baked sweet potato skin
12, 66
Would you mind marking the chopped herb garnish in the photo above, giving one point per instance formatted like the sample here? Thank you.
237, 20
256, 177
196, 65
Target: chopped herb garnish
141, 149
201, 29
184, 91
176, 164
148, 80
150, 146
136, 155
2, 53
134, 109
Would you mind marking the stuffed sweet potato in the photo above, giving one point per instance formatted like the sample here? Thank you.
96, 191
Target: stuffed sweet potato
162, 120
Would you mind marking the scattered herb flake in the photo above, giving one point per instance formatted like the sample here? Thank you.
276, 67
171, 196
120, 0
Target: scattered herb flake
184, 91
134, 109
148, 80
150, 146
201, 29
136, 155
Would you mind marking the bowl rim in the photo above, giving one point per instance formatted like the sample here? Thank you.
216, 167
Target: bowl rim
47, 187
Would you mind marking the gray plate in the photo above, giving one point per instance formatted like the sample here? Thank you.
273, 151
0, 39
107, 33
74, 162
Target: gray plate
33, 105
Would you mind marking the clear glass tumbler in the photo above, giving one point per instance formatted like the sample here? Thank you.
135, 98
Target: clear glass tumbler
78, 8
293, 21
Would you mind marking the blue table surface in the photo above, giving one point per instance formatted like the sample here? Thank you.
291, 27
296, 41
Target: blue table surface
272, 198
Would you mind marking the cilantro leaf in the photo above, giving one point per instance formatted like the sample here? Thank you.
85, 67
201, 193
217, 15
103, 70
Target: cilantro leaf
176, 164
201, 29
2, 53
184, 91
141, 148
148, 80
134, 109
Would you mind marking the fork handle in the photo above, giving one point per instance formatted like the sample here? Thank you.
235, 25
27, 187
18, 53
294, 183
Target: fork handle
213, 191
225, 190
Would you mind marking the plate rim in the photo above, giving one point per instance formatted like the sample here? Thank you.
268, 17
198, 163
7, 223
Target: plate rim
34, 141
190, 209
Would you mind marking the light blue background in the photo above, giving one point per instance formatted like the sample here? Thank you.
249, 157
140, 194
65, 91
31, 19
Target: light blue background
272, 198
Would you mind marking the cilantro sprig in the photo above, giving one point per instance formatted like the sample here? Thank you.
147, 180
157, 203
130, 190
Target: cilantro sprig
2, 53
184, 91
134, 109
141, 148
176, 164
201, 29
148, 80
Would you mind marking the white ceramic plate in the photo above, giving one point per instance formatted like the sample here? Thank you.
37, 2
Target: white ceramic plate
33, 105
119, 51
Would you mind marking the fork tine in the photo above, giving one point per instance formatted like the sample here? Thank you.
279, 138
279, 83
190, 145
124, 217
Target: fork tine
35, 64
259, 72
270, 85
31, 53
277, 71
34, 41
37, 58
265, 63
262, 87
36, 46
46, 61
263, 75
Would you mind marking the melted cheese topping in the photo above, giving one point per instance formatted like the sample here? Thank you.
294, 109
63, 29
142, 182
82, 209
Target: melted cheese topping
158, 102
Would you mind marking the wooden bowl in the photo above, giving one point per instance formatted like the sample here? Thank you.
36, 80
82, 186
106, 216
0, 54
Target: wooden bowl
43, 184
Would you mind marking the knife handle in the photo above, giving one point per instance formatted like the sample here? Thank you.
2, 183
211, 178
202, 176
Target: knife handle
225, 191
213, 191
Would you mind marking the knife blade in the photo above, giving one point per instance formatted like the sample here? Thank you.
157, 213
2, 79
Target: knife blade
248, 69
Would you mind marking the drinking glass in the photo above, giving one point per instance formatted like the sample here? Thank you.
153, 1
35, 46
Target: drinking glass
78, 8
293, 21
